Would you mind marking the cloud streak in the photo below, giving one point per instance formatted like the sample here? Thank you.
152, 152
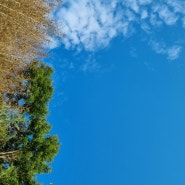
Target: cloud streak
91, 24
172, 52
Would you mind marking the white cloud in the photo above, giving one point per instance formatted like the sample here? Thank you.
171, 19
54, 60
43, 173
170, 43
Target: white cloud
144, 14
174, 52
154, 20
169, 17
171, 52
133, 5
177, 5
144, 2
90, 65
92, 24
52, 42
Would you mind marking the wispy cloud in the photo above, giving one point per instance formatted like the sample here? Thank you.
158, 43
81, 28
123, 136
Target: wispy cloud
174, 52
171, 52
165, 14
52, 42
90, 65
92, 24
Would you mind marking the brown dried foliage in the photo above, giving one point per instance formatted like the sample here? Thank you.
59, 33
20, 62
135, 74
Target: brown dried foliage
24, 28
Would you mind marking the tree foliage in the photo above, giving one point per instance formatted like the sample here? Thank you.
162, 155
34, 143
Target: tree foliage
25, 28
27, 147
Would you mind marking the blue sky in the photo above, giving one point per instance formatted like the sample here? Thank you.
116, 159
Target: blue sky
119, 101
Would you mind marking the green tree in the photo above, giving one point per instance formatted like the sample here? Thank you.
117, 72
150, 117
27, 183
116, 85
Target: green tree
39, 88
30, 148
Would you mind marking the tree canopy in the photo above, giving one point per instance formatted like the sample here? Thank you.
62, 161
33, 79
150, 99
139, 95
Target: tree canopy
25, 29
27, 148
26, 145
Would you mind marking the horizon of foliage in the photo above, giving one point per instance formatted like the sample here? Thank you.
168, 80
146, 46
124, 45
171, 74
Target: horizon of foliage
26, 146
